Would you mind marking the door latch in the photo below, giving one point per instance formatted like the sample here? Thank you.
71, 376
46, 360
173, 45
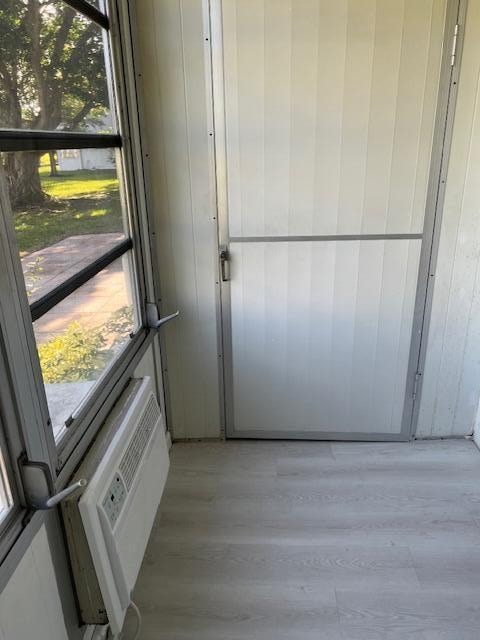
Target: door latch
224, 259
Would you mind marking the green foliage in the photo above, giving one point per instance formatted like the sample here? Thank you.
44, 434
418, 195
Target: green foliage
52, 76
79, 353
14, 46
74, 355
52, 70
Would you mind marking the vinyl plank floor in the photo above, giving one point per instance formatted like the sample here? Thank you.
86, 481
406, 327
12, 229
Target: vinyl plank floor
324, 541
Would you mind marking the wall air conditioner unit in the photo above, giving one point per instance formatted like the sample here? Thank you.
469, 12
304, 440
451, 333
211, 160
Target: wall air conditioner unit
109, 524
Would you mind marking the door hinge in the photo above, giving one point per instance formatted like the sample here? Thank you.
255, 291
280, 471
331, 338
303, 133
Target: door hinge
454, 45
418, 375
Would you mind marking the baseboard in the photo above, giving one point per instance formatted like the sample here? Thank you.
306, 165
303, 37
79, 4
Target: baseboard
433, 438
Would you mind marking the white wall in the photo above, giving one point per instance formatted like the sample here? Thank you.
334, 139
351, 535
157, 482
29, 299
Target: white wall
30, 604
451, 386
173, 55
177, 120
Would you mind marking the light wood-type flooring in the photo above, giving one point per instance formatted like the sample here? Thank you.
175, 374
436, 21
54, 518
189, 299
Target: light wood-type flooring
315, 541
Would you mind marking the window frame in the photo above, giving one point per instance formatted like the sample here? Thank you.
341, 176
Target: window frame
10, 525
32, 434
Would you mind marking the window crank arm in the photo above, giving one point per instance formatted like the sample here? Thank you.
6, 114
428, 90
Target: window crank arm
38, 485
153, 321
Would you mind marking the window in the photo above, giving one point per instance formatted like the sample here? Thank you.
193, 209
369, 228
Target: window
5, 491
69, 198
81, 290
54, 71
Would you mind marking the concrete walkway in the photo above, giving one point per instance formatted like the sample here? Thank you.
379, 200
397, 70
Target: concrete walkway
93, 303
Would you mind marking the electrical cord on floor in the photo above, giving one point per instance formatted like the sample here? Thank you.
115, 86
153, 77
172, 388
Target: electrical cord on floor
139, 620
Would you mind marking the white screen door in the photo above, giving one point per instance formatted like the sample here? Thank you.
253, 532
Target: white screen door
328, 118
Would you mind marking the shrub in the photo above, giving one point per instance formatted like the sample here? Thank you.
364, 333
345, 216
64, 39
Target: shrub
74, 355
80, 353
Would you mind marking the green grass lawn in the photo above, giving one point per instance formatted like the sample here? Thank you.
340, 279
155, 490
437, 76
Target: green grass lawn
81, 202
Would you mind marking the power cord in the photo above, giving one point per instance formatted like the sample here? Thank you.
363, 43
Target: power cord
139, 620
132, 604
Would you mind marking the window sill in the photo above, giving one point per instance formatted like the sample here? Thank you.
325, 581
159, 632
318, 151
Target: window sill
85, 426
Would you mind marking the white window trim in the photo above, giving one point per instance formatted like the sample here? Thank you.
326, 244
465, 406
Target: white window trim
29, 431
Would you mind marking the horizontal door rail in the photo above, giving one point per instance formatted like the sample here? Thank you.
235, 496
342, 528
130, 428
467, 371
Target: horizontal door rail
331, 238
89, 11
41, 306
28, 140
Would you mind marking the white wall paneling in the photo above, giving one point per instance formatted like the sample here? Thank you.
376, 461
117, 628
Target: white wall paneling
175, 74
451, 384
321, 334
30, 604
329, 114
174, 58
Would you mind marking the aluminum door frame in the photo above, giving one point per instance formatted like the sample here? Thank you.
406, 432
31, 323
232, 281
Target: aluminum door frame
442, 142
443, 128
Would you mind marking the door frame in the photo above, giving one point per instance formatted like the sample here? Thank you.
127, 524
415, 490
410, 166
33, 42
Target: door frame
443, 129
441, 148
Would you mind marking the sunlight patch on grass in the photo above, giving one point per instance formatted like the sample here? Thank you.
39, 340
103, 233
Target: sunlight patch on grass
82, 202
98, 213
80, 184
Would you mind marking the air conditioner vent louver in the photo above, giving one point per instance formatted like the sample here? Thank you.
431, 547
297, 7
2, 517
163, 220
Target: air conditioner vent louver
133, 454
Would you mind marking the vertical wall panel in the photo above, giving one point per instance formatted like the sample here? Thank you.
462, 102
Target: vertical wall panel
451, 385
385, 86
357, 80
173, 56
329, 109
30, 605
278, 61
312, 319
411, 145
332, 35
304, 77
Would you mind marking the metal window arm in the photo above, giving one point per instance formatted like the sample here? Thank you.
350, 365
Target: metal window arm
153, 319
38, 485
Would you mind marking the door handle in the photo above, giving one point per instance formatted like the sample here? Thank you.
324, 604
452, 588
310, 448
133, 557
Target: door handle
224, 258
